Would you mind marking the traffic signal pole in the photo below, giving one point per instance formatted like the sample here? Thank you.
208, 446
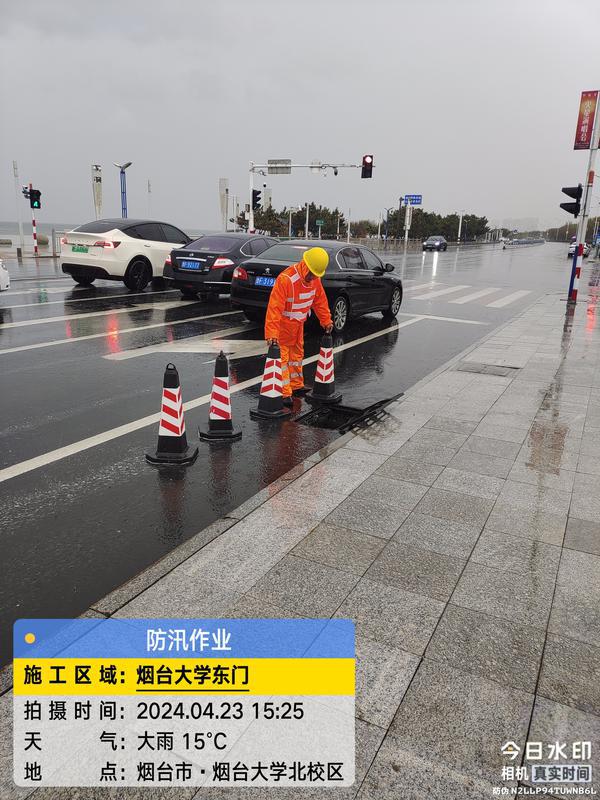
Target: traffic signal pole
33, 225
285, 166
583, 219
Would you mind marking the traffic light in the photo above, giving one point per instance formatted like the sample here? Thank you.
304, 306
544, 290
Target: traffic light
35, 198
255, 199
575, 192
367, 167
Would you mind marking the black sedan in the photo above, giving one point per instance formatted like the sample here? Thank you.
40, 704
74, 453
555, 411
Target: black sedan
357, 282
435, 243
205, 266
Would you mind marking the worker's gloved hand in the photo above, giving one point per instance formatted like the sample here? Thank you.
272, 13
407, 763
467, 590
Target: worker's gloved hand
329, 328
272, 341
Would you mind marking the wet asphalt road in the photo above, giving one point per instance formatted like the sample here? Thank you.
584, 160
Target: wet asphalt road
77, 363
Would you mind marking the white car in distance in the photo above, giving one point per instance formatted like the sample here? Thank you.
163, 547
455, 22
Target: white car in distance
128, 250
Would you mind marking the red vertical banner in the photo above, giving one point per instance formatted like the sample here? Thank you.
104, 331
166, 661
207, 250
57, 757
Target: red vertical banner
585, 120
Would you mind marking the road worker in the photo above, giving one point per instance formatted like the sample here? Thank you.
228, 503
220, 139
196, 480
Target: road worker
297, 291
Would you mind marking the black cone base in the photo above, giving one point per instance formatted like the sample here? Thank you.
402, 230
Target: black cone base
302, 391
314, 398
188, 456
219, 436
259, 413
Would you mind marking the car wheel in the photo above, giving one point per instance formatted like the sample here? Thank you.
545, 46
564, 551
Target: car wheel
83, 280
340, 313
138, 276
395, 303
189, 294
254, 315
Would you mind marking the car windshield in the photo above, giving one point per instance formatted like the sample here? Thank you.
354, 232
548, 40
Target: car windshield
435, 239
292, 253
214, 244
100, 226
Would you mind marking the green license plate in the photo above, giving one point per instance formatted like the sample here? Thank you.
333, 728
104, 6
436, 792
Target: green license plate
79, 248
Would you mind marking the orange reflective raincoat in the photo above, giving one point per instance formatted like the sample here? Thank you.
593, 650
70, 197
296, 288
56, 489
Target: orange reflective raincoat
289, 305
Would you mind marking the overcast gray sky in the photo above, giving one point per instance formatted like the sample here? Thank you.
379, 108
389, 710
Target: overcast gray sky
472, 103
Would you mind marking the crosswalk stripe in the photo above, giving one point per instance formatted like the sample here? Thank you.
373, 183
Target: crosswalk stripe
473, 296
510, 298
420, 286
75, 339
105, 298
440, 292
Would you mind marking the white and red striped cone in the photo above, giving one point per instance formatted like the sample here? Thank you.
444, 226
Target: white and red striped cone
220, 421
323, 390
172, 445
270, 399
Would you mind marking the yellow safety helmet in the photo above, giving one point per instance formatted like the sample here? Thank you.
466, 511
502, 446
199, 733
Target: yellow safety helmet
316, 259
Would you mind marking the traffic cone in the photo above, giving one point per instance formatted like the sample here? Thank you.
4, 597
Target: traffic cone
172, 445
270, 399
323, 390
220, 423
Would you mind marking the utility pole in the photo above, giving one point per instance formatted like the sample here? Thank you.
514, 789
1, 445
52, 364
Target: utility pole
149, 196
338, 227
19, 217
306, 224
348, 229
378, 226
583, 219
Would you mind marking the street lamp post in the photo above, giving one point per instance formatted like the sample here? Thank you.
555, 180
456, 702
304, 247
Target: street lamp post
291, 210
387, 219
460, 219
122, 168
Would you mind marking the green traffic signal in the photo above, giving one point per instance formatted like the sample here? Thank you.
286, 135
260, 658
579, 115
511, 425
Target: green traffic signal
35, 200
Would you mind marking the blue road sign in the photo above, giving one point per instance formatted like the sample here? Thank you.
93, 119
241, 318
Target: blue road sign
413, 199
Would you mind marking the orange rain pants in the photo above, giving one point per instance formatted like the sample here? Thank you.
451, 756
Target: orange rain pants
290, 332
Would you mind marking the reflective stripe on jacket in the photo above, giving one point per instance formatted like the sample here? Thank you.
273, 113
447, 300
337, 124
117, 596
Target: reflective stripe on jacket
291, 300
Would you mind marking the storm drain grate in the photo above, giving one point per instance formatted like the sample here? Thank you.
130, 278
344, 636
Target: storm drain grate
485, 369
346, 418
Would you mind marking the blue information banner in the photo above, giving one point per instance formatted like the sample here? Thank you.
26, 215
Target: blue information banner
413, 199
138, 638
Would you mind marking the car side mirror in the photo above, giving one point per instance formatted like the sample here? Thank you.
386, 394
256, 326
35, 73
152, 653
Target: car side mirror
389, 267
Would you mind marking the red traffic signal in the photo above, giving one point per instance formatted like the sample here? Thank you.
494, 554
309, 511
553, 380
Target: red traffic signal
575, 192
367, 167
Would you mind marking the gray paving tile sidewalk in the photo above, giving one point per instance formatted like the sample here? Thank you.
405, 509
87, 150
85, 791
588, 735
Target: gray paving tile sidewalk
463, 537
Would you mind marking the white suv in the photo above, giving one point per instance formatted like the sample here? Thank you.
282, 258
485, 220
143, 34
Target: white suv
128, 250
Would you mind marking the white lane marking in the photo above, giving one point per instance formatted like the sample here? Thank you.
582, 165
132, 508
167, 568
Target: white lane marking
510, 298
473, 296
204, 343
440, 292
73, 340
122, 430
88, 314
448, 319
107, 297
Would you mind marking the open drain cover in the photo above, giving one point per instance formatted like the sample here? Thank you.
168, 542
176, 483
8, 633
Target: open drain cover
345, 418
